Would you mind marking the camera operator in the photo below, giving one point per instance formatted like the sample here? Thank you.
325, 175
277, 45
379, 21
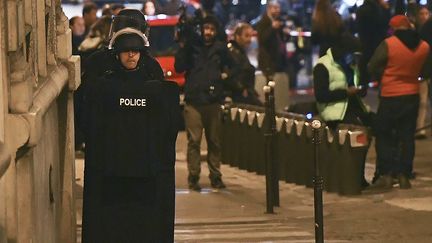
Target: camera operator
204, 63
189, 27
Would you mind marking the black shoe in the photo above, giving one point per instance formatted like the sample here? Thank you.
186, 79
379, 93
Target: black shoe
420, 136
384, 181
404, 182
193, 183
364, 183
217, 183
412, 175
194, 186
383, 184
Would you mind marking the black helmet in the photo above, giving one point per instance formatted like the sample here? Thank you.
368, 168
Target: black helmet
128, 40
129, 18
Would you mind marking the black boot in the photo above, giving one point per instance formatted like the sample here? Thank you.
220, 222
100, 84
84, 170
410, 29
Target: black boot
404, 182
193, 183
382, 184
217, 183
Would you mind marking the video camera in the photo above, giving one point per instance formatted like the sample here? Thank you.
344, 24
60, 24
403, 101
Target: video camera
189, 27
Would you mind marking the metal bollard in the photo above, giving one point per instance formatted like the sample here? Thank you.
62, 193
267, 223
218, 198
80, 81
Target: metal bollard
274, 162
270, 126
318, 184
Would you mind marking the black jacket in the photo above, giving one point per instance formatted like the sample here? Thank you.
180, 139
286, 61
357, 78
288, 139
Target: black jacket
426, 32
242, 76
271, 51
204, 66
372, 25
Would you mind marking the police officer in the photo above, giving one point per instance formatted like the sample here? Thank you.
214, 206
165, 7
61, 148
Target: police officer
130, 122
104, 59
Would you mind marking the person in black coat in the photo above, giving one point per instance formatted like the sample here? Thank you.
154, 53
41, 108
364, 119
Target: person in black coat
205, 64
372, 25
271, 48
130, 122
242, 75
104, 59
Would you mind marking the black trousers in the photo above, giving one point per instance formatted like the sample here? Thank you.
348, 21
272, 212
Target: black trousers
395, 127
125, 209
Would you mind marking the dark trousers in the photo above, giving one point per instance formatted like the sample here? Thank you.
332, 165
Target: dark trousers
197, 118
395, 127
125, 209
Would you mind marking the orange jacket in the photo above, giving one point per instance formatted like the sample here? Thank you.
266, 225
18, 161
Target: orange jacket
403, 68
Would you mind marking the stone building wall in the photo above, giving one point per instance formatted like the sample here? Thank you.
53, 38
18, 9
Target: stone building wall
37, 78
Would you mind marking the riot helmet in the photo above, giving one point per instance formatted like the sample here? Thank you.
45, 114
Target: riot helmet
129, 18
128, 39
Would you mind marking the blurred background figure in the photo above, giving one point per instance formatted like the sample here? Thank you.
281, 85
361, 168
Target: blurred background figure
171, 7
112, 9
222, 10
271, 47
107, 10
97, 37
242, 75
426, 35
422, 15
372, 26
116, 8
149, 8
77, 26
89, 14
327, 26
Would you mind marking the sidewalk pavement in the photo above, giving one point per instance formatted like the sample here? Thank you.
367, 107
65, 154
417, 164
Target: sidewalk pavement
237, 213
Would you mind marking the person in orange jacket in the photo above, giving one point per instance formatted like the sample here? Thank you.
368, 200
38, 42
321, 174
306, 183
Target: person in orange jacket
399, 63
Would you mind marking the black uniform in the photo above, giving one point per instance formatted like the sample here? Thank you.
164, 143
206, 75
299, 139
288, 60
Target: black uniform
97, 65
130, 123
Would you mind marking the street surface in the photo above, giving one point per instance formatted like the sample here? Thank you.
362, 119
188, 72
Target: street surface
236, 214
